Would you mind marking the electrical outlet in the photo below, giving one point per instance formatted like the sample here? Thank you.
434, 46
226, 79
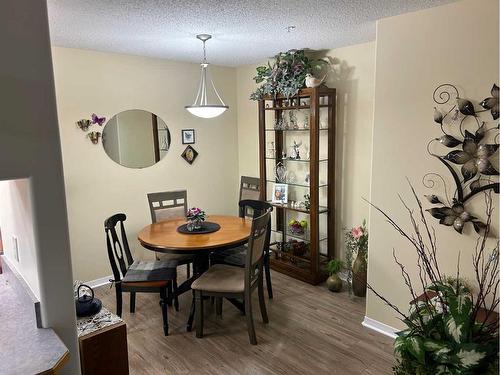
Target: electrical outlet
15, 248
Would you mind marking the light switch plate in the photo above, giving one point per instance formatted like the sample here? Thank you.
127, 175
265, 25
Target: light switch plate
15, 248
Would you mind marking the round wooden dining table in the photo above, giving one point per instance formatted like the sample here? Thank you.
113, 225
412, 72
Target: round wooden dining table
164, 237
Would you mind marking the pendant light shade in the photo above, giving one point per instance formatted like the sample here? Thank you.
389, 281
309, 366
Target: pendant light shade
202, 106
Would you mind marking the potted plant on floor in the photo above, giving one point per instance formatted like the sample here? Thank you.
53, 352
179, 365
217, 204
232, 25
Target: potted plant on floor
334, 283
357, 245
449, 329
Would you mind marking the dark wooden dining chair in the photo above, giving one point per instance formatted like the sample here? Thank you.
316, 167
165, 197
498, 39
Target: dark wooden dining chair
166, 205
249, 189
248, 207
225, 281
137, 276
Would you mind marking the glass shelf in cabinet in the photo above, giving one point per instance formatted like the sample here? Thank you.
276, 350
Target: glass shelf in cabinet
293, 130
294, 184
299, 160
321, 209
304, 237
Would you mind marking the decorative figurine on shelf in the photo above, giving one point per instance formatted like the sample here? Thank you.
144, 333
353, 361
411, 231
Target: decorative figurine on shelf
283, 155
267, 105
307, 178
307, 153
312, 81
307, 203
295, 150
281, 173
195, 217
271, 150
293, 120
306, 121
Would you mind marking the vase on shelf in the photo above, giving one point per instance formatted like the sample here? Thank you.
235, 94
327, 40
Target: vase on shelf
359, 275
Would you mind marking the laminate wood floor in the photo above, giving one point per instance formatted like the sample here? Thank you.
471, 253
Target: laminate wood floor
311, 331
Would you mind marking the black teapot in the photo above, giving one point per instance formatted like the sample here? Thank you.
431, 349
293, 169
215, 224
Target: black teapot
86, 305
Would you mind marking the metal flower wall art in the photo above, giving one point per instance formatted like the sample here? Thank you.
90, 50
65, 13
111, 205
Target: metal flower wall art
85, 125
469, 147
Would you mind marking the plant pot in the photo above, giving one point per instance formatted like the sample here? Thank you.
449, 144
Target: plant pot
334, 283
359, 276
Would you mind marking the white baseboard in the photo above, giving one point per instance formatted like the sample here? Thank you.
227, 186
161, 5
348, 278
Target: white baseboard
99, 282
380, 327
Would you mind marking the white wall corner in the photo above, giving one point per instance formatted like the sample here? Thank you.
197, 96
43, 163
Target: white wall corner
379, 327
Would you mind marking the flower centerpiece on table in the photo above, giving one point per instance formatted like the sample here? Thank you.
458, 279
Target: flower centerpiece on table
356, 243
195, 217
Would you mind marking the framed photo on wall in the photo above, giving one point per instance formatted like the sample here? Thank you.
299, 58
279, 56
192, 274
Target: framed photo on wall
280, 193
188, 137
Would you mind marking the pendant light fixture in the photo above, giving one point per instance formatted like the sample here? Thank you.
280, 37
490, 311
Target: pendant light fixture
201, 106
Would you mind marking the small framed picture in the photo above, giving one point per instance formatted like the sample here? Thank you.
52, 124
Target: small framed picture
188, 137
280, 193
189, 154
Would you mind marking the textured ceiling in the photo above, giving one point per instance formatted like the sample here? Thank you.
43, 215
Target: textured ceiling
244, 32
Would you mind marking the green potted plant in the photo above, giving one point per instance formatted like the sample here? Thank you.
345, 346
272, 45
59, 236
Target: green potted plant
286, 75
451, 326
334, 283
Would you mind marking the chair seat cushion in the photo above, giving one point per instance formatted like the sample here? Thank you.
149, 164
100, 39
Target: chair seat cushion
179, 258
235, 256
141, 271
221, 278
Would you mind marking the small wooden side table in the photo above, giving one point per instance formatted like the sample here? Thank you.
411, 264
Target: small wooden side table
102, 339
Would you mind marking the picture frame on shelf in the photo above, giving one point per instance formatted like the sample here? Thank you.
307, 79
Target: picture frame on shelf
280, 193
188, 137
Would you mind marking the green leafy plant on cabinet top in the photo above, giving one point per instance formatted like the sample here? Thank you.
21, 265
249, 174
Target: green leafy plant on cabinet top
286, 75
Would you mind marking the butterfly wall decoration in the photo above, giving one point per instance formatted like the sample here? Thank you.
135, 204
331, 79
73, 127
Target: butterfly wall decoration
470, 144
85, 125
98, 120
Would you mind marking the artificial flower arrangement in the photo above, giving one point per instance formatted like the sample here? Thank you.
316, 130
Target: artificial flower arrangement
195, 217
356, 244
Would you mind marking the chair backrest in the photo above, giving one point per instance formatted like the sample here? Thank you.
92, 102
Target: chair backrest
257, 208
249, 189
259, 239
119, 254
167, 204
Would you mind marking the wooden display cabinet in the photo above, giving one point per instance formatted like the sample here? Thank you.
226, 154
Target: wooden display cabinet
314, 126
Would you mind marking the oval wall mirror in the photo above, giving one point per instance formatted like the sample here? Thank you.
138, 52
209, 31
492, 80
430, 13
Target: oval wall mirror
136, 138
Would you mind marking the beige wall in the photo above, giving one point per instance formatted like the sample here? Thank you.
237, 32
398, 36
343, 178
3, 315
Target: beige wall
353, 76
16, 220
97, 187
456, 43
